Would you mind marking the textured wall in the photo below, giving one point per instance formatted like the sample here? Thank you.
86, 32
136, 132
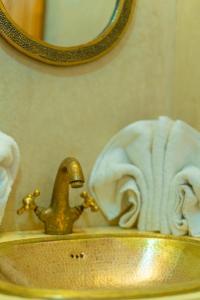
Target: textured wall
186, 99
55, 112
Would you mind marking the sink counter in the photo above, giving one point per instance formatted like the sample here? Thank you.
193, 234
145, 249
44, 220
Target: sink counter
158, 262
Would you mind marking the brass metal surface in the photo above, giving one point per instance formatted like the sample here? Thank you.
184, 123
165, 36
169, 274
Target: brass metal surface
60, 217
67, 56
100, 266
28, 202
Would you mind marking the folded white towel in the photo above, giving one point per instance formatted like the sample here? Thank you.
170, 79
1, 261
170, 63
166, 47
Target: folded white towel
149, 175
181, 195
9, 162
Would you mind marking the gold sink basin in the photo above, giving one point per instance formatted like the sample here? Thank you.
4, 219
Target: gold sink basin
116, 265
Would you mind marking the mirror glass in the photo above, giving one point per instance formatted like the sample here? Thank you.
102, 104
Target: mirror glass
62, 22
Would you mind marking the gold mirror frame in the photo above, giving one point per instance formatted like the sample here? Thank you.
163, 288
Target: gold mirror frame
68, 56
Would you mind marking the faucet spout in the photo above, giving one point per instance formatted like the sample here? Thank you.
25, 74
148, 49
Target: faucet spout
69, 172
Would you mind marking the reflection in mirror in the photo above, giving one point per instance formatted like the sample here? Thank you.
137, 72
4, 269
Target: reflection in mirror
28, 14
62, 22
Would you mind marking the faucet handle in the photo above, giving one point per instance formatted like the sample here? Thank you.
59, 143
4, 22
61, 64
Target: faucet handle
28, 202
89, 202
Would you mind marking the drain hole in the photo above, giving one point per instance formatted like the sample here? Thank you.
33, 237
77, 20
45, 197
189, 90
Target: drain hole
77, 256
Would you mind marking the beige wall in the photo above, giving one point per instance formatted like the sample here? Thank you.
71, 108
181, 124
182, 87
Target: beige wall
186, 99
55, 112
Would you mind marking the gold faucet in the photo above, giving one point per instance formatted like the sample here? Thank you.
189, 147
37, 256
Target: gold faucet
60, 217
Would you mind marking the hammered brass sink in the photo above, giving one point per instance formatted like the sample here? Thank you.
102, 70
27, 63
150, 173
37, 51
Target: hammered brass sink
100, 266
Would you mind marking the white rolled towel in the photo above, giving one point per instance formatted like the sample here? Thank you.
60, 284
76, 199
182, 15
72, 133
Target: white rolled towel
148, 174
181, 188
128, 164
9, 163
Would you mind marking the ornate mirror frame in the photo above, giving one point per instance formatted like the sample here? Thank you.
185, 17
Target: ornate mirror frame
67, 56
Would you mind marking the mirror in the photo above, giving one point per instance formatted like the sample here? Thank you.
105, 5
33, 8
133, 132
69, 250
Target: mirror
64, 28
62, 22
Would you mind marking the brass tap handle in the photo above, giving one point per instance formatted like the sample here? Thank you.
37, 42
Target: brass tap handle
28, 202
89, 202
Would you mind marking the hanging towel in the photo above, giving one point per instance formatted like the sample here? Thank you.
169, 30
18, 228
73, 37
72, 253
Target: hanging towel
9, 163
148, 174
